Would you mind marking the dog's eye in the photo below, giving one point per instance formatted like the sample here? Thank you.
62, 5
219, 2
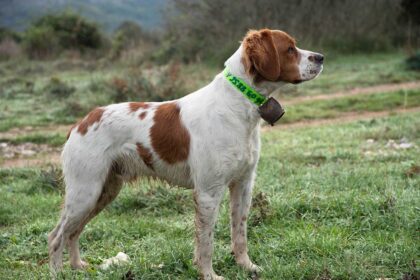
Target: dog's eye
291, 50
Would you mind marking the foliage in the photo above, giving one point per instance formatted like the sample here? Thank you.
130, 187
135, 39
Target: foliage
413, 62
62, 31
59, 89
158, 85
6, 33
17, 14
9, 48
127, 36
346, 25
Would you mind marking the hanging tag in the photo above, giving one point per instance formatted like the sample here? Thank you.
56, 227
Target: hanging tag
271, 111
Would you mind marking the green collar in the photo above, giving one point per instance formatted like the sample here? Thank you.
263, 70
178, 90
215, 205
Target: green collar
250, 93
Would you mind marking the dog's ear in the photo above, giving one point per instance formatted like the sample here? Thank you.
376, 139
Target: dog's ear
260, 56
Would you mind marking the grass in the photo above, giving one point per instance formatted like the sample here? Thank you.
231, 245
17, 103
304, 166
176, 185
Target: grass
52, 139
331, 108
330, 206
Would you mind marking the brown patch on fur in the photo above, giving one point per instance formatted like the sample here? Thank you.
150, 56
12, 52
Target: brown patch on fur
134, 106
266, 56
145, 155
93, 117
142, 115
170, 138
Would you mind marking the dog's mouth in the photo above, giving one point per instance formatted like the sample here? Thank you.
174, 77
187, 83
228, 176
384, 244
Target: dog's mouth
311, 72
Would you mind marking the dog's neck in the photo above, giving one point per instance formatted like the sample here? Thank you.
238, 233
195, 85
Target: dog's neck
243, 107
237, 68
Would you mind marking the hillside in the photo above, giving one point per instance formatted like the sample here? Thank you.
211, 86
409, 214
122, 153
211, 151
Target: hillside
17, 14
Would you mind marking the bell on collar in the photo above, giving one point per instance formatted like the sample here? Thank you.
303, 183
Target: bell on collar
271, 111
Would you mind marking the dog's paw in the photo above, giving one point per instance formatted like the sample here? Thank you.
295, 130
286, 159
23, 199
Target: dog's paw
254, 268
80, 265
212, 276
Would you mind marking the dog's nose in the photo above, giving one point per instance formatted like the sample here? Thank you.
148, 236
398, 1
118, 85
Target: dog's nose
319, 58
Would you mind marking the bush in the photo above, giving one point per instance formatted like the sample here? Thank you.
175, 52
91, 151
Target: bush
9, 48
6, 33
53, 33
154, 85
130, 36
413, 62
58, 88
41, 42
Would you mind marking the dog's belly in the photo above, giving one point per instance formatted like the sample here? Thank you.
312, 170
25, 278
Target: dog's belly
133, 166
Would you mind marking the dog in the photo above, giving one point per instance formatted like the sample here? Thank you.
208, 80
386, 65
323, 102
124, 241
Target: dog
208, 141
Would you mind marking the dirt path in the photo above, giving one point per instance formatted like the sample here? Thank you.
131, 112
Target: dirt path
40, 160
344, 118
20, 131
385, 88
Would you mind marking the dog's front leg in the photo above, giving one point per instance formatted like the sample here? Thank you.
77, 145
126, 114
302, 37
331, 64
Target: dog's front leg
206, 209
240, 202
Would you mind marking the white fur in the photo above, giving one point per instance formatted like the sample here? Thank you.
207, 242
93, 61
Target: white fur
224, 151
308, 69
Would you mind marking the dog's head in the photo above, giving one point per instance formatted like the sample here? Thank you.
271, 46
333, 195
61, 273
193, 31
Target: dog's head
272, 55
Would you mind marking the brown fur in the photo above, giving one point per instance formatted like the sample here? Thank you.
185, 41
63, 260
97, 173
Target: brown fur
134, 106
266, 57
93, 117
170, 139
142, 115
145, 155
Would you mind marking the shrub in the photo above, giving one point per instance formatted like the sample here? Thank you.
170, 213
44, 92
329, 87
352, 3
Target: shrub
6, 33
64, 31
153, 85
58, 88
130, 36
9, 48
40, 42
75, 109
413, 62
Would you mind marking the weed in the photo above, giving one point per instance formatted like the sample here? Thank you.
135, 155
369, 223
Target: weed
413, 171
48, 180
59, 89
413, 62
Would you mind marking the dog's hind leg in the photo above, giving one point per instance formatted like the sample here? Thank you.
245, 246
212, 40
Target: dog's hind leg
110, 190
82, 195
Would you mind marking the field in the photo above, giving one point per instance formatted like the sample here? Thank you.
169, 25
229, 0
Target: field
336, 195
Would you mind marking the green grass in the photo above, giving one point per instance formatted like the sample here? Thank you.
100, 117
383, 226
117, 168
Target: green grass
331, 108
336, 207
55, 139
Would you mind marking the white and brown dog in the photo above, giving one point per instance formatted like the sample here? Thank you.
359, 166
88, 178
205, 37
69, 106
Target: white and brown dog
208, 141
